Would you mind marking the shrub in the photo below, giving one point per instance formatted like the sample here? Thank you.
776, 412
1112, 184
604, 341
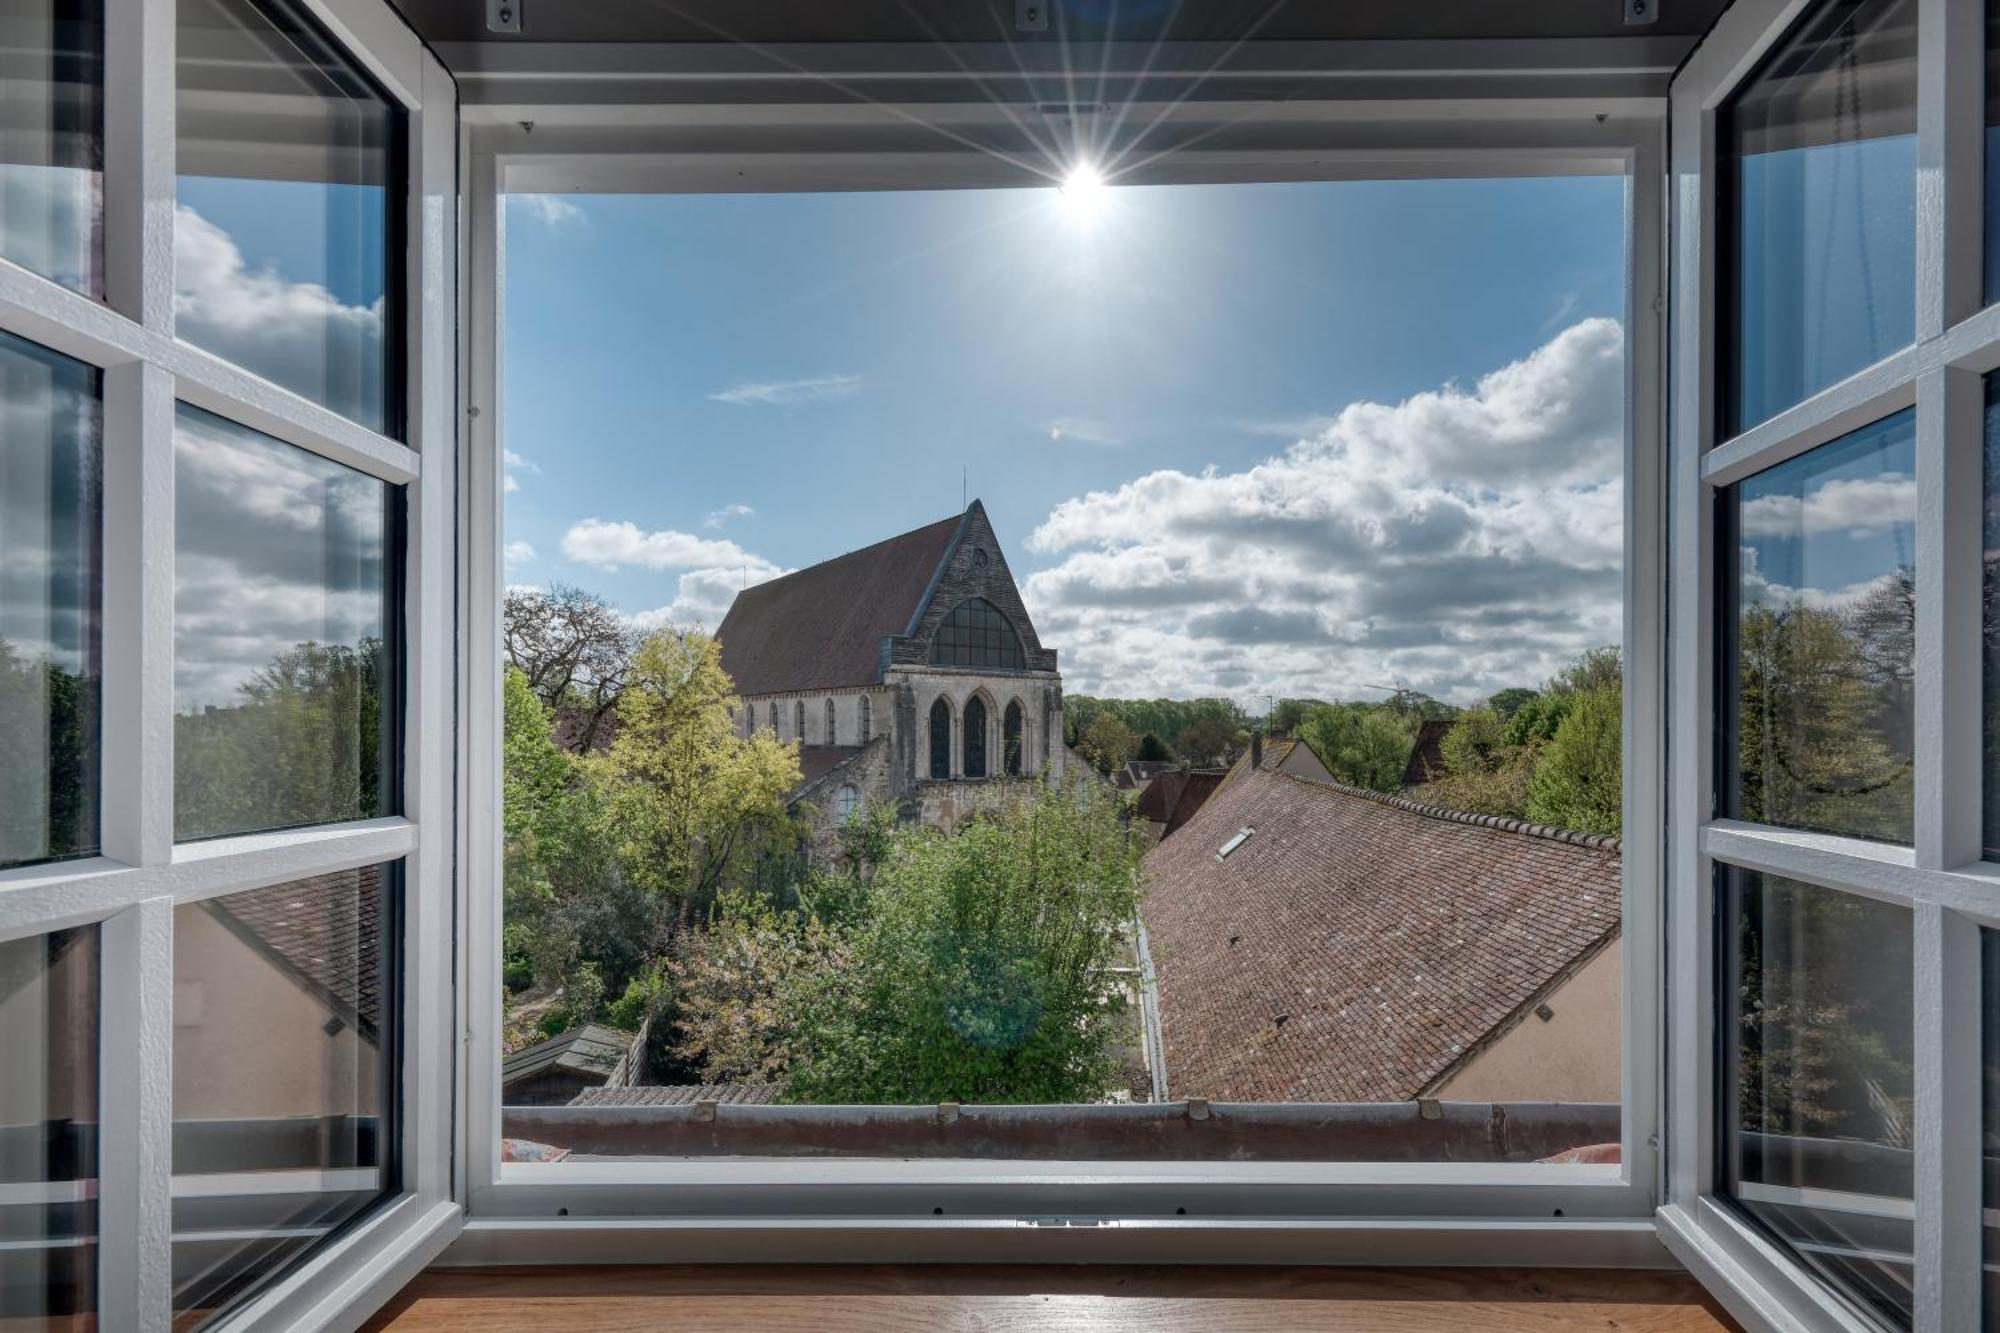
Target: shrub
1578, 776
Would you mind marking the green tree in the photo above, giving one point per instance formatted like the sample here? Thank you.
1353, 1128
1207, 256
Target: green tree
1508, 702
1212, 741
1107, 743
1153, 750
1361, 744
691, 800
1287, 714
988, 970
1476, 743
1578, 776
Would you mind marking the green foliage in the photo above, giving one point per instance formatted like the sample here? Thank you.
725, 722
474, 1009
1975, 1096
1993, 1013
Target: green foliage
1499, 790
1578, 777
689, 800
1476, 743
1507, 702
1537, 719
1823, 709
1598, 669
1168, 719
1213, 741
48, 782
1288, 713
1107, 743
302, 746
1153, 750
981, 968
1364, 745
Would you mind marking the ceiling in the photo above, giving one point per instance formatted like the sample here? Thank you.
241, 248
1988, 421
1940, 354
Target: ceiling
961, 21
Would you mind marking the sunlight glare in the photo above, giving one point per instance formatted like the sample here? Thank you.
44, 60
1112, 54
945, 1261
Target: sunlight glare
1082, 190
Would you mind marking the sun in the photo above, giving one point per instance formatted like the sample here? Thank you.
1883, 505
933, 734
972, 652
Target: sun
1082, 190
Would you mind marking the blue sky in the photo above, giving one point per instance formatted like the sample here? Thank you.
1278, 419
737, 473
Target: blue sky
835, 363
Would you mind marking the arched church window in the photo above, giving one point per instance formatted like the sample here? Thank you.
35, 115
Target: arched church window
864, 719
940, 739
977, 634
975, 738
832, 733
844, 802
799, 722
1010, 738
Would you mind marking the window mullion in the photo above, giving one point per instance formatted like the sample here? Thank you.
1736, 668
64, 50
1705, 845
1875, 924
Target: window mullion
139, 157
1950, 477
138, 730
1947, 1134
135, 1120
1951, 47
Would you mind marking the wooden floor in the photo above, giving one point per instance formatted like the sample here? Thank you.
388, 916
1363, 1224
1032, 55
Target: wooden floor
991, 1299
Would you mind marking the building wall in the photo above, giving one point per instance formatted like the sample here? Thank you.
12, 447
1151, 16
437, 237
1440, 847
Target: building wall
250, 1042
1038, 693
45, 1031
1572, 1057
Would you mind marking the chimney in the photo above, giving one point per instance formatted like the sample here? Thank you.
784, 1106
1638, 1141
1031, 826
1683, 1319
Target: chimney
1256, 748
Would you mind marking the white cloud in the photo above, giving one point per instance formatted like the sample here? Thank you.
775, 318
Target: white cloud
704, 596
297, 334
717, 517
1082, 430
789, 393
519, 553
512, 464
551, 210
1458, 541
597, 541
1858, 506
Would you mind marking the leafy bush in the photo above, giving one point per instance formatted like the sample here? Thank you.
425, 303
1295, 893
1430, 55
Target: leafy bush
1577, 782
1361, 744
1476, 743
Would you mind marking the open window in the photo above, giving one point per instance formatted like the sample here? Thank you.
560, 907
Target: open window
226, 496
1828, 894
998, 669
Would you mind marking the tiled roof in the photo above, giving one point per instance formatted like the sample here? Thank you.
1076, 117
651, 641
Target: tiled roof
680, 1094
325, 932
1173, 797
591, 1049
1356, 947
823, 626
816, 761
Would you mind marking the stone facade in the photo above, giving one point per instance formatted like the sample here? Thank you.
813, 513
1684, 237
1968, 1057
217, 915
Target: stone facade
955, 709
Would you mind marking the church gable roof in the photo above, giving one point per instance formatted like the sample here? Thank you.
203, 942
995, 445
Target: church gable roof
822, 627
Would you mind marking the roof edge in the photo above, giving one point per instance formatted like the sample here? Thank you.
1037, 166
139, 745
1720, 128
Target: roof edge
944, 562
1501, 823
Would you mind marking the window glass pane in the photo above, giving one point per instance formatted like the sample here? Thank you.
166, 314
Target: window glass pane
285, 661
284, 1023
1820, 637
1991, 565
1817, 1083
52, 139
50, 528
1989, 1081
1819, 154
285, 235
48, 1130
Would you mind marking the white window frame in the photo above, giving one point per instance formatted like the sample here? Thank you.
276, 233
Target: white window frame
1941, 879
541, 119
131, 890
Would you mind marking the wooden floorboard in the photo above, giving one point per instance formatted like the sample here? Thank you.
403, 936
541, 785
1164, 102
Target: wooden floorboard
999, 1299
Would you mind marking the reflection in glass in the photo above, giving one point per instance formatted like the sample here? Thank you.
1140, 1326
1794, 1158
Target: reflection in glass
284, 234
284, 659
1819, 169
48, 1129
283, 1074
52, 139
1991, 563
1820, 705
50, 528
1989, 1157
1818, 1088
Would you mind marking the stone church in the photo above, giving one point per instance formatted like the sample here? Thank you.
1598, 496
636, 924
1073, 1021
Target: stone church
908, 671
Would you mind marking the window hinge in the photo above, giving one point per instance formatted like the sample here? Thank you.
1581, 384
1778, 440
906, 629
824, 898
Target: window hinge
504, 16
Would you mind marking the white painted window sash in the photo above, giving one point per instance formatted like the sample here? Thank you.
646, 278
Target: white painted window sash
131, 889
1940, 877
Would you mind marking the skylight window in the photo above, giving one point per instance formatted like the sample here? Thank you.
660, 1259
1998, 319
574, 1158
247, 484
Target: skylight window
1242, 836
